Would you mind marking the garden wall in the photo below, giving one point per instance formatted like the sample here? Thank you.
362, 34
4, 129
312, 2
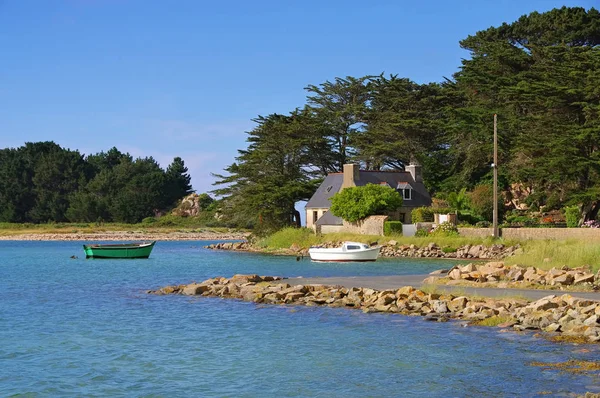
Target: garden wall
369, 226
535, 233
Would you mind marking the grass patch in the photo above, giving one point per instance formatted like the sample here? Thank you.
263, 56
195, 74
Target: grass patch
171, 224
304, 238
547, 254
492, 321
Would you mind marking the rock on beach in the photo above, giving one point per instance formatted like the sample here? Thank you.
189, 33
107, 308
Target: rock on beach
552, 314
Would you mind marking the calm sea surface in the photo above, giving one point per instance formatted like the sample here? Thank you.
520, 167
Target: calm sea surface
76, 327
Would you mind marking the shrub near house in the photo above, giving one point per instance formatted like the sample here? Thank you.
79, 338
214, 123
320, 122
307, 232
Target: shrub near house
356, 203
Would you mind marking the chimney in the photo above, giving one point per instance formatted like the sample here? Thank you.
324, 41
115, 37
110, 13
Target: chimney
415, 170
351, 175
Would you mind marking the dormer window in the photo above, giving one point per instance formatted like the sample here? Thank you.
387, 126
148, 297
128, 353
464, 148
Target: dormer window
405, 190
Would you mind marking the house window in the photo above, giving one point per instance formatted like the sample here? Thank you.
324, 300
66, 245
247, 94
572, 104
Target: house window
315, 216
407, 194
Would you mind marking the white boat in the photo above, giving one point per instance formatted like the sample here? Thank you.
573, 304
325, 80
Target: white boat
349, 251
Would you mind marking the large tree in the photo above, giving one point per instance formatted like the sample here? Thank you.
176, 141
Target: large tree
540, 74
338, 112
270, 176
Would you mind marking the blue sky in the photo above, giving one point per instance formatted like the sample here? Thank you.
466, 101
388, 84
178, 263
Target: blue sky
185, 78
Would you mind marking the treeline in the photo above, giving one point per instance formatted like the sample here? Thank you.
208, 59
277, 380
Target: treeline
42, 182
540, 74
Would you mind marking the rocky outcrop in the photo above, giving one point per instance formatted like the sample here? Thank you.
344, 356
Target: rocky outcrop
190, 206
517, 276
553, 314
392, 249
432, 250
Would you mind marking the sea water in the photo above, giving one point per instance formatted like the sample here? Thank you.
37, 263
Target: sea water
77, 327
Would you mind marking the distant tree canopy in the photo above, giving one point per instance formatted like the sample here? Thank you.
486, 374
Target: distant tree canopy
42, 182
540, 74
355, 203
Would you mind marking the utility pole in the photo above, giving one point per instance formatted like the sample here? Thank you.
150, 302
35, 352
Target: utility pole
495, 166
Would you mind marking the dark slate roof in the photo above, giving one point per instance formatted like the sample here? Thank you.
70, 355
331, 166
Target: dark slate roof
320, 199
329, 219
395, 179
398, 180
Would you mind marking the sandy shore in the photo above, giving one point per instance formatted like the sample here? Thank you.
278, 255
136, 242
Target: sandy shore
129, 236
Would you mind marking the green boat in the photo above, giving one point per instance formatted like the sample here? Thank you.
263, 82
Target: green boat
126, 250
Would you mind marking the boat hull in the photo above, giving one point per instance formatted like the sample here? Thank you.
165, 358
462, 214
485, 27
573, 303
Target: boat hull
336, 255
119, 251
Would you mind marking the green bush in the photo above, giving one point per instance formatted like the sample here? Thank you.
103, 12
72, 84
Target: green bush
421, 233
422, 214
357, 203
445, 229
483, 224
465, 217
572, 216
449, 249
392, 227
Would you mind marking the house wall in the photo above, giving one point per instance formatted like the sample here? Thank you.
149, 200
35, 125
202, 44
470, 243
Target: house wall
310, 222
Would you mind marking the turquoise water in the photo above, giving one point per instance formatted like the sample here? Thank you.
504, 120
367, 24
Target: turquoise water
76, 327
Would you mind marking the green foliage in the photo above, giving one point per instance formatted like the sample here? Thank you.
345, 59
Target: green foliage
445, 229
392, 227
422, 214
459, 200
42, 182
467, 218
356, 203
272, 174
572, 215
421, 233
482, 202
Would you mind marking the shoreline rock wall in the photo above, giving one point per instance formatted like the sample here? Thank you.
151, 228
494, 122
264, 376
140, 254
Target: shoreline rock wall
500, 275
564, 314
392, 249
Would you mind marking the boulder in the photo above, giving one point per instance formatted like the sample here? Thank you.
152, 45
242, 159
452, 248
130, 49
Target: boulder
195, 289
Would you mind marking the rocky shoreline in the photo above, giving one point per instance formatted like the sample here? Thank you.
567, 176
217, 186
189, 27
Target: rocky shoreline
392, 249
563, 316
128, 236
499, 275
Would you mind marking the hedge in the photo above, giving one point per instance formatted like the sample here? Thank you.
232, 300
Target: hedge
392, 227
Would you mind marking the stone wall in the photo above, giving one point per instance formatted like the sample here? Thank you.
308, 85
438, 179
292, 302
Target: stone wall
369, 226
535, 233
476, 232
329, 229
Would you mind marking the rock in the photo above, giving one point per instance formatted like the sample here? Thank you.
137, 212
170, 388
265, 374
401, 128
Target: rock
454, 274
439, 272
439, 306
565, 280
245, 278
392, 243
583, 278
591, 321
195, 289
